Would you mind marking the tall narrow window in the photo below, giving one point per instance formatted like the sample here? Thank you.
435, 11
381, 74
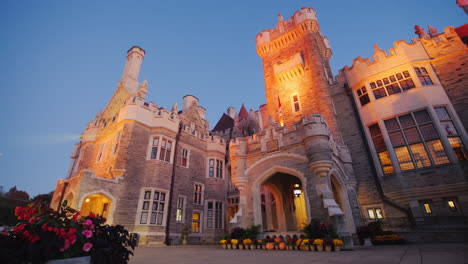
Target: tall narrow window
197, 193
185, 157
381, 149
363, 96
180, 213
296, 105
452, 133
153, 207
211, 167
219, 169
116, 143
102, 152
452, 206
423, 76
154, 148
196, 222
214, 214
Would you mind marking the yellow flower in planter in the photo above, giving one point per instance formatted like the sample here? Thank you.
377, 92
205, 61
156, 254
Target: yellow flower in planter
318, 242
298, 242
234, 241
247, 241
338, 242
222, 241
305, 242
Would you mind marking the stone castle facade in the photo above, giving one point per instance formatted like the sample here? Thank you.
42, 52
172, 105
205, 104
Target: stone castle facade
385, 140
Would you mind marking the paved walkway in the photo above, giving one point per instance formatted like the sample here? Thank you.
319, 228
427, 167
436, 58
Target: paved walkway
401, 254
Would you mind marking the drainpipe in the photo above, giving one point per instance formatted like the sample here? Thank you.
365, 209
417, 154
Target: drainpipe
373, 167
167, 240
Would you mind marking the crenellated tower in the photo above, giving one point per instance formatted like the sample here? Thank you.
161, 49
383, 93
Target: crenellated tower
296, 67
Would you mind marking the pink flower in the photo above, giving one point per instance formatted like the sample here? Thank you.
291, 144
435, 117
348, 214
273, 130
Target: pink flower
87, 247
87, 233
87, 222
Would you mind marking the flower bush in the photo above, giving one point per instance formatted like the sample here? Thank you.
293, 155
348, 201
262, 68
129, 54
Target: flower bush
305, 242
247, 241
223, 241
43, 234
318, 242
234, 241
338, 242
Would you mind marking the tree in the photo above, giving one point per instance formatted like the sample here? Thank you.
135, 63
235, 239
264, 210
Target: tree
8, 203
44, 198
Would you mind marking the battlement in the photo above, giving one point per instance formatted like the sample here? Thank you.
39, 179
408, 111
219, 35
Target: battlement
401, 53
287, 31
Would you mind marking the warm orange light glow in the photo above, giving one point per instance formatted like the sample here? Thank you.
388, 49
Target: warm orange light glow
87, 200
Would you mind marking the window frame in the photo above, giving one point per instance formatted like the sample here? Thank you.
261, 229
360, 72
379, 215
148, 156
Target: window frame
200, 221
181, 207
102, 154
295, 102
115, 148
201, 194
141, 202
216, 169
159, 149
186, 152
217, 223
462, 153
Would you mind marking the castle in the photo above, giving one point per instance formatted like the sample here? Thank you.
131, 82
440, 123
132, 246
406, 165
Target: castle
385, 140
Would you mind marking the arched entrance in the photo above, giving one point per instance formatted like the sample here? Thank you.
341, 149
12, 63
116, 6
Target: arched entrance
97, 203
282, 203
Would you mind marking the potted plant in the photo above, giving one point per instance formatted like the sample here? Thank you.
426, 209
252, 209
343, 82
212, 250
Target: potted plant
305, 245
291, 243
298, 244
235, 243
337, 243
328, 243
318, 243
223, 243
247, 243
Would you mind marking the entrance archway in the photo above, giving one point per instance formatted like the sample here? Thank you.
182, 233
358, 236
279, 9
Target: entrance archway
98, 203
283, 206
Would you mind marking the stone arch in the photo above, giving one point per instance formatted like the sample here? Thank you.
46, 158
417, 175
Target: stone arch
258, 181
111, 206
340, 194
283, 156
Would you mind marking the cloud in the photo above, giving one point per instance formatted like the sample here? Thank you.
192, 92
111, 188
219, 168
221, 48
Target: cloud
1, 154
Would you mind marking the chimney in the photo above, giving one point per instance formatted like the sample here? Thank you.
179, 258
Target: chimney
231, 111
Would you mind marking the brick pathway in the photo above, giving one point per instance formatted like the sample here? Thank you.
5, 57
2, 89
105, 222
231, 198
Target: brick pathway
404, 254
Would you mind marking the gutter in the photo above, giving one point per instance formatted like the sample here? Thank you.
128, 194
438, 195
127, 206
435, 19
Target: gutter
167, 240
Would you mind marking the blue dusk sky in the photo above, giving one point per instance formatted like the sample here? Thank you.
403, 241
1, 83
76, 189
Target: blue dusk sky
61, 61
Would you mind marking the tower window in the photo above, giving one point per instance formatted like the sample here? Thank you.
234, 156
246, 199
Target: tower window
295, 99
427, 208
153, 207
215, 168
381, 149
452, 133
160, 147
185, 158
423, 76
197, 193
391, 85
363, 96
375, 213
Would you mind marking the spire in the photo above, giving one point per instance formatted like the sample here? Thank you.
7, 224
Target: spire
175, 108
280, 17
243, 112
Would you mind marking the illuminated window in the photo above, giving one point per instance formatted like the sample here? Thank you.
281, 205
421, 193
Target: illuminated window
198, 193
185, 158
363, 96
196, 222
381, 149
295, 99
180, 213
452, 206
215, 168
423, 76
427, 208
452, 133
415, 141
214, 214
162, 148
153, 207
391, 85
375, 213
